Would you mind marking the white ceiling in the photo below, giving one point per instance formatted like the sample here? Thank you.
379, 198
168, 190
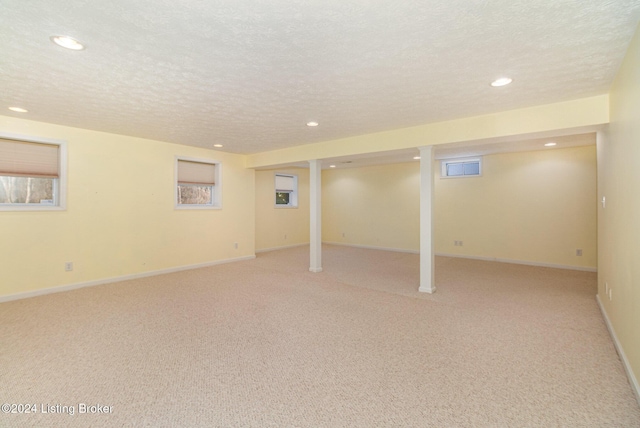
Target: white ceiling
250, 74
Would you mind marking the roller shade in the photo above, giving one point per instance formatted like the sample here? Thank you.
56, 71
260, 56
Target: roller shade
284, 184
26, 159
190, 172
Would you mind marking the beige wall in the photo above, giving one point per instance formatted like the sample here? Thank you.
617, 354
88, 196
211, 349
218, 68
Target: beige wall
281, 227
533, 207
120, 217
619, 221
377, 206
569, 116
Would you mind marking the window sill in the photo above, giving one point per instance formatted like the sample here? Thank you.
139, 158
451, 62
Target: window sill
8, 208
197, 207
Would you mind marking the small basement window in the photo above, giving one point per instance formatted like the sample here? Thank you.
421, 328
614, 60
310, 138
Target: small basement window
32, 175
461, 168
286, 187
197, 183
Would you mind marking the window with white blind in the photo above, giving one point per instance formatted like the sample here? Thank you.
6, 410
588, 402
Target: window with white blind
461, 168
197, 183
32, 174
286, 191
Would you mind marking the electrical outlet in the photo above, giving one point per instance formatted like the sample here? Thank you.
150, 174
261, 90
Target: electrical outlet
579, 252
343, 234
68, 266
460, 243
610, 294
235, 245
285, 236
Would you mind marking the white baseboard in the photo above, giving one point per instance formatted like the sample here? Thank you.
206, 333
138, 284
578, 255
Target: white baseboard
519, 262
489, 259
625, 362
265, 250
371, 247
61, 288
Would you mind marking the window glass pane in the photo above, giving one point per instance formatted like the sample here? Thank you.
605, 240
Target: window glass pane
26, 190
194, 195
282, 198
454, 169
472, 168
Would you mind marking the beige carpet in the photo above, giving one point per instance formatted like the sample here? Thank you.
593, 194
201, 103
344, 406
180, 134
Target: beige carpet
266, 343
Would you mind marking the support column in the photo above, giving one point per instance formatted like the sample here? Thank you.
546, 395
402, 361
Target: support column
315, 208
427, 259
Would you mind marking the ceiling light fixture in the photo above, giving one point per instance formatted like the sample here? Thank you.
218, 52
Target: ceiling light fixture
501, 82
217, 145
332, 166
312, 124
19, 109
416, 157
67, 42
550, 144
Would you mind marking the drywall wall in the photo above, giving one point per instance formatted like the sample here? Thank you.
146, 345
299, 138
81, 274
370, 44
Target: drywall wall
120, 218
532, 207
376, 206
278, 227
535, 206
568, 115
619, 220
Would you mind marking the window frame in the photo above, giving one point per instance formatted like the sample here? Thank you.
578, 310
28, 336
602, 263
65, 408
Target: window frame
293, 195
216, 188
445, 162
59, 184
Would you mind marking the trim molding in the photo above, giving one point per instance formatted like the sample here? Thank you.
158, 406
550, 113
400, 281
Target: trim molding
371, 247
460, 256
266, 250
61, 288
625, 362
519, 262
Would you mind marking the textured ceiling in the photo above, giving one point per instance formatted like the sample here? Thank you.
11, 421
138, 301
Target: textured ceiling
250, 74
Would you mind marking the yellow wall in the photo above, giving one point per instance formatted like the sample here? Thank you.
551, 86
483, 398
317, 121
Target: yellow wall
532, 207
568, 115
120, 217
619, 222
376, 206
281, 227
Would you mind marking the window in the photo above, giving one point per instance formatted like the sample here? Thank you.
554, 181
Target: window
197, 183
32, 174
286, 191
461, 168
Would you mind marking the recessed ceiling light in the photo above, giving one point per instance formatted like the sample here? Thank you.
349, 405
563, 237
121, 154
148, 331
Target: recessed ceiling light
312, 124
217, 145
18, 109
332, 166
67, 42
416, 157
550, 144
501, 81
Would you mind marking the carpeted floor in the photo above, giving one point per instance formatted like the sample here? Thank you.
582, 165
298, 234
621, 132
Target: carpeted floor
266, 343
